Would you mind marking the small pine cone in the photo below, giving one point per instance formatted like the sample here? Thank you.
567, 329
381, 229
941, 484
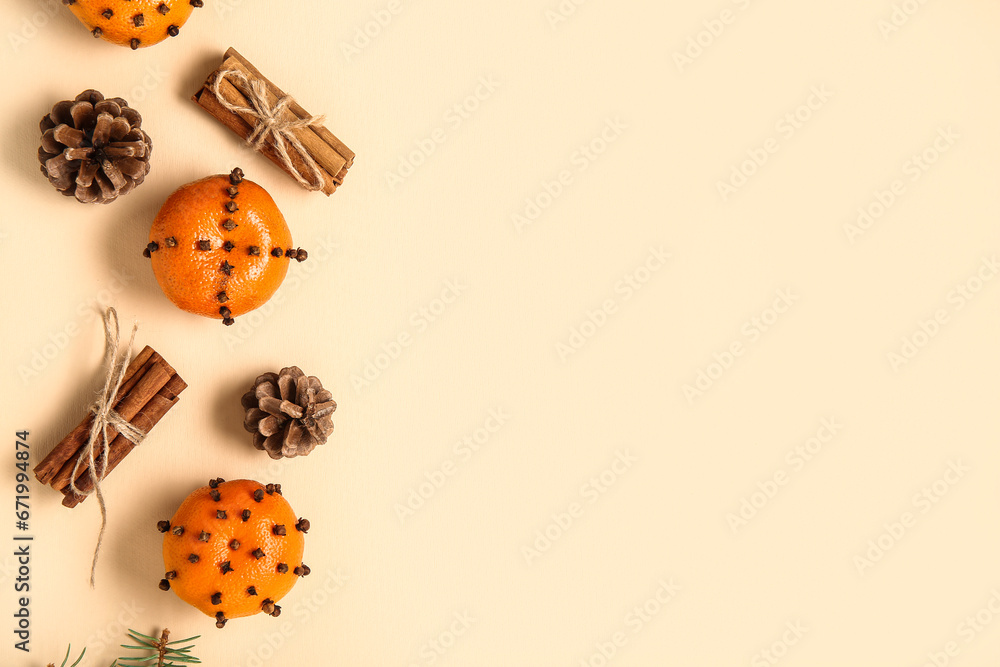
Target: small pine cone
93, 148
288, 413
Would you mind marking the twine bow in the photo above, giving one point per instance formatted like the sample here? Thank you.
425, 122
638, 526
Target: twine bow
115, 362
270, 123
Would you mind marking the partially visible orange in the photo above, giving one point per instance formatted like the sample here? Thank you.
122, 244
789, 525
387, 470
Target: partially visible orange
220, 247
233, 549
134, 23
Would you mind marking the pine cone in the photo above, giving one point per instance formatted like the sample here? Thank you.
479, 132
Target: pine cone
93, 148
288, 413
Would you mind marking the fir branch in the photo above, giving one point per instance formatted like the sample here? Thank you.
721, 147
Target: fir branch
66, 659
165, 653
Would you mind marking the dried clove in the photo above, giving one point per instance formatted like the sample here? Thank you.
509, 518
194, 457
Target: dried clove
138, 20
171, 575
246, 515
282, 568
220, 514
232, 206
171, 242
204, 245
228, 246
236, 177
229, 225
222, 297
299, 571
233, 191
164, 585
216, 496
234, 545
225, 312
258, 495
301, 255
226, 567
153, 246
193, 558
163, 526
204, 537
214, 483
178, 530
257, 553
252, 590
253, 250
135, 43
276, 252
267, 606
164, 8
220, 618
216, 598
279, 530
302, 526
226, 268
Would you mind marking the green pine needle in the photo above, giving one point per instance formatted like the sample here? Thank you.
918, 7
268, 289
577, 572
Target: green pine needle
181, 641
164, 653
68, 649
66, 659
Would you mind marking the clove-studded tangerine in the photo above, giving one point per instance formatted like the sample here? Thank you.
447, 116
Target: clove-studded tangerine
240, 550
220, 247
133, 23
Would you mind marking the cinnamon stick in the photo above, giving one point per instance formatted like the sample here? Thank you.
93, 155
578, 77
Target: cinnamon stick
154, 380
318, 145
150, 387
148, 417
331, 155
62, 452
232, 95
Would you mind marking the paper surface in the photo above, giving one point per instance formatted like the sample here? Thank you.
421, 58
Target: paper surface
661, 333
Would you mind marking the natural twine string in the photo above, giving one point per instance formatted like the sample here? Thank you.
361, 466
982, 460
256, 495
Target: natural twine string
115, 362
271, 124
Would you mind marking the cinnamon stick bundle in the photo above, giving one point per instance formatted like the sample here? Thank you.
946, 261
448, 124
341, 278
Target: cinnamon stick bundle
329, 153
149, 389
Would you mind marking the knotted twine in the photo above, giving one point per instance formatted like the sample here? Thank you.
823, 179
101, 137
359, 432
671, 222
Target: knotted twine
115, 362
270, 123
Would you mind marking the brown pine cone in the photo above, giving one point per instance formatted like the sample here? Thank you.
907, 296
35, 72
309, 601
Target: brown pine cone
94, 149
288, 413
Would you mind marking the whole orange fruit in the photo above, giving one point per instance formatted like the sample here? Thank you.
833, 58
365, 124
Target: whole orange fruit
233, 549
220, 247
133, 23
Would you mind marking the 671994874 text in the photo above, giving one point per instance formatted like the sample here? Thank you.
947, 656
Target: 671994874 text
22, 543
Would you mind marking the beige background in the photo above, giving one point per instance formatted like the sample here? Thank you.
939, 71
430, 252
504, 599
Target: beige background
387, 586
